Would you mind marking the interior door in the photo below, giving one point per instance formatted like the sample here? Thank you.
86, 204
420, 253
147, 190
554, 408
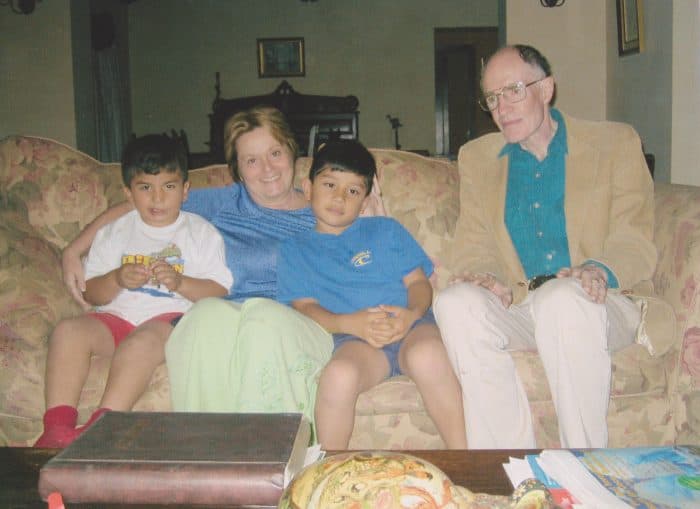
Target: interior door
458, 56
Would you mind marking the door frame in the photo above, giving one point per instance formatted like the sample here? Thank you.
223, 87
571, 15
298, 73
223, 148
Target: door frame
484, 40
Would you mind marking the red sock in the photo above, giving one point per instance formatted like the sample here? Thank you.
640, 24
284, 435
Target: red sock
61, 415
95, 415
59, 427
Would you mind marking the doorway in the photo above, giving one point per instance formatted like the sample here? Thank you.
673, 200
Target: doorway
459, 53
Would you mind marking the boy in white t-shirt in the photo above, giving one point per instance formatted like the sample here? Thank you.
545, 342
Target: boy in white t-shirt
143, 270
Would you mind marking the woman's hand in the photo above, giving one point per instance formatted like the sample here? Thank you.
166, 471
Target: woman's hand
74, 276
73, 271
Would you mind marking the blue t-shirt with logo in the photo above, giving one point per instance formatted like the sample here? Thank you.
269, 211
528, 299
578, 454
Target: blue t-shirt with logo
362, 267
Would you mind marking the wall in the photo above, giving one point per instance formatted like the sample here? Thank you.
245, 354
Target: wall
639, 85
686, 93
173, 84
36, 72
573, 38
379, 50
594, 82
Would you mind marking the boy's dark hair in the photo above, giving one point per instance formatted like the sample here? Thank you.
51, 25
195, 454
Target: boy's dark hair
152, 153
345, 155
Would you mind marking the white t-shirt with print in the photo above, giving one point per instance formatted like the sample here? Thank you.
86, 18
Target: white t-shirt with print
191, 243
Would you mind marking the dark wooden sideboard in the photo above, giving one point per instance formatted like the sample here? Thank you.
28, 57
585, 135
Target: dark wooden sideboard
333, 116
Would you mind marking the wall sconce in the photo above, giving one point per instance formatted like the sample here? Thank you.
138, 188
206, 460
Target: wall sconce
20, 6
552, 3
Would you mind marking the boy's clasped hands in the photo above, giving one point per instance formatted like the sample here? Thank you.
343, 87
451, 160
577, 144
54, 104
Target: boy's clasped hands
158, 272
381, 325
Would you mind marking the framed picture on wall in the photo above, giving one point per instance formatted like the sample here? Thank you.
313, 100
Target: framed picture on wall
629, 26
280, 57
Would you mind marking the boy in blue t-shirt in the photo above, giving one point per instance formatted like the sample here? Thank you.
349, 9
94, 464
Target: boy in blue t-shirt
366, 281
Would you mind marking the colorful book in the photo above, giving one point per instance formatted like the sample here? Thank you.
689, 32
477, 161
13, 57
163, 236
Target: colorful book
180, 458
638, 477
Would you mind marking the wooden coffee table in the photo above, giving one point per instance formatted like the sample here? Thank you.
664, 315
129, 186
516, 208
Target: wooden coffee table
478, 471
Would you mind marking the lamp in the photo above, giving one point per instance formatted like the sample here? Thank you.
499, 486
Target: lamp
552, 3
20, 6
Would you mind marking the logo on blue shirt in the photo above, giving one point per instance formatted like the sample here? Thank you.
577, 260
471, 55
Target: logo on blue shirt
362, 258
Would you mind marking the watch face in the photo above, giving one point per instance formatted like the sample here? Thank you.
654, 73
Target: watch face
538, 281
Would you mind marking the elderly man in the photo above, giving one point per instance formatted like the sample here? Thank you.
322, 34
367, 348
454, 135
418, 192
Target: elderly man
556, 219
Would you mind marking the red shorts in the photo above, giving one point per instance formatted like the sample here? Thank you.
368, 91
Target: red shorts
121, 328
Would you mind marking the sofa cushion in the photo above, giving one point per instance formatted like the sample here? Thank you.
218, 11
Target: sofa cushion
32, 294
32, 299
22, 394
422, 193
657, 331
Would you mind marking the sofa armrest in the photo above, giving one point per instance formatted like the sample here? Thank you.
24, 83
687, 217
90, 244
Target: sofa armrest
677, 277
32, 294
677, 238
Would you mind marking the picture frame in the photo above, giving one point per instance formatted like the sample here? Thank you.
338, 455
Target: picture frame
281, 57
630, 27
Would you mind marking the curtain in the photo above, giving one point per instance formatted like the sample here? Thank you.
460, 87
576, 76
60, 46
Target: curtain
111, 104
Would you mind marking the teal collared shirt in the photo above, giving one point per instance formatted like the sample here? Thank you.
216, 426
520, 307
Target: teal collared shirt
534, 208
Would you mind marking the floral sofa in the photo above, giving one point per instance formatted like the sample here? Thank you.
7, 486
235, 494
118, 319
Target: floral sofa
49, 192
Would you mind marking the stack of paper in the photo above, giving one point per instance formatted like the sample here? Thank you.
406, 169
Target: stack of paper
519, 470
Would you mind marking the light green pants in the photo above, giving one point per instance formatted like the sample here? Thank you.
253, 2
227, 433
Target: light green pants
259, 356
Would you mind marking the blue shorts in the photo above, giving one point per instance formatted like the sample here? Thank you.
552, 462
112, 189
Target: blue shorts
391, 350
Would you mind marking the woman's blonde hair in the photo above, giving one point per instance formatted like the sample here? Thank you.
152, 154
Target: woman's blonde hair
245, 121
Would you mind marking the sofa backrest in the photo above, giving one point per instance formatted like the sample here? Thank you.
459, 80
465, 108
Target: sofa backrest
59, 189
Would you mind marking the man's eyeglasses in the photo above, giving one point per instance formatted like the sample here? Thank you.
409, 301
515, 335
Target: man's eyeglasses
512, 93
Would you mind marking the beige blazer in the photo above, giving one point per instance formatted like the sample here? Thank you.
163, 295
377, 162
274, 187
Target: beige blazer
609, 205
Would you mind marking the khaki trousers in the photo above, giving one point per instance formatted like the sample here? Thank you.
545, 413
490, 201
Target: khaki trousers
574, 337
